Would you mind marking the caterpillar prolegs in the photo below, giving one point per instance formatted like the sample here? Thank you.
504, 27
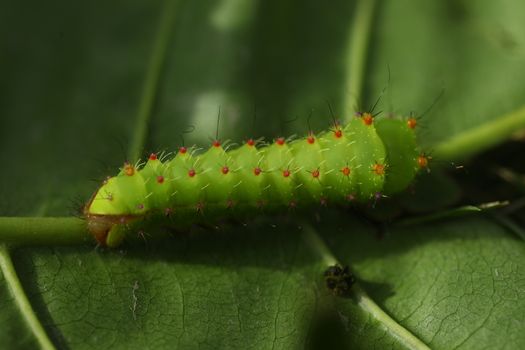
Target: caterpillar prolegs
357, 162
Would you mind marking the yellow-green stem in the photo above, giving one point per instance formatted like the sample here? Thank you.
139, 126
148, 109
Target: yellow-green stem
357, 52
152, 80
478, 139
43, 231
20, 298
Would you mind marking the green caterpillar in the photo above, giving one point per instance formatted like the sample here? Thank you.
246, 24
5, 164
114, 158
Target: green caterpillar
361, 161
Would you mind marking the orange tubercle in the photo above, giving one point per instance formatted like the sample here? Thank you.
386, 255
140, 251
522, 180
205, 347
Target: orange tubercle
412, 123
378, 169
346, 171
422, 161
129, 169
368, 119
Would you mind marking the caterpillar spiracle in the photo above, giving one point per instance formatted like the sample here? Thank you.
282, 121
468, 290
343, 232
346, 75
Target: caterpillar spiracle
357, 162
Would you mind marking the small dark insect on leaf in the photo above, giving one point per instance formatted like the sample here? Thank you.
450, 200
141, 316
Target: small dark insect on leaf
339, 280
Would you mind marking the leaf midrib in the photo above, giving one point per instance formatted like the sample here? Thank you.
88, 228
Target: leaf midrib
20, 298
396, 330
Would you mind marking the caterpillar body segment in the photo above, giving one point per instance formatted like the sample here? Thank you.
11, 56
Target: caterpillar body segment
360, 161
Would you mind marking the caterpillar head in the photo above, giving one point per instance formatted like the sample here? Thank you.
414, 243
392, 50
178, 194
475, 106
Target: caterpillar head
108, 230
114, 205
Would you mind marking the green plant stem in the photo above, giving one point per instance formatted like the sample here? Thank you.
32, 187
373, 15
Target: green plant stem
151, 84
450, 214
356, 53
316, 243
433, 217
20, 298
478, 139
43, 231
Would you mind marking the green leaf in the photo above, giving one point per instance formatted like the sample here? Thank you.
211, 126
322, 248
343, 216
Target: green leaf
208, 291
86, 85
454, 285
474, 52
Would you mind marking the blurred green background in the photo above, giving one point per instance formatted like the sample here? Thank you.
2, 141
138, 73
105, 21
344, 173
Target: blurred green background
73, 76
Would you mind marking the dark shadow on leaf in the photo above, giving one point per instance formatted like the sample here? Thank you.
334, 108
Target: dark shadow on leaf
381, 291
